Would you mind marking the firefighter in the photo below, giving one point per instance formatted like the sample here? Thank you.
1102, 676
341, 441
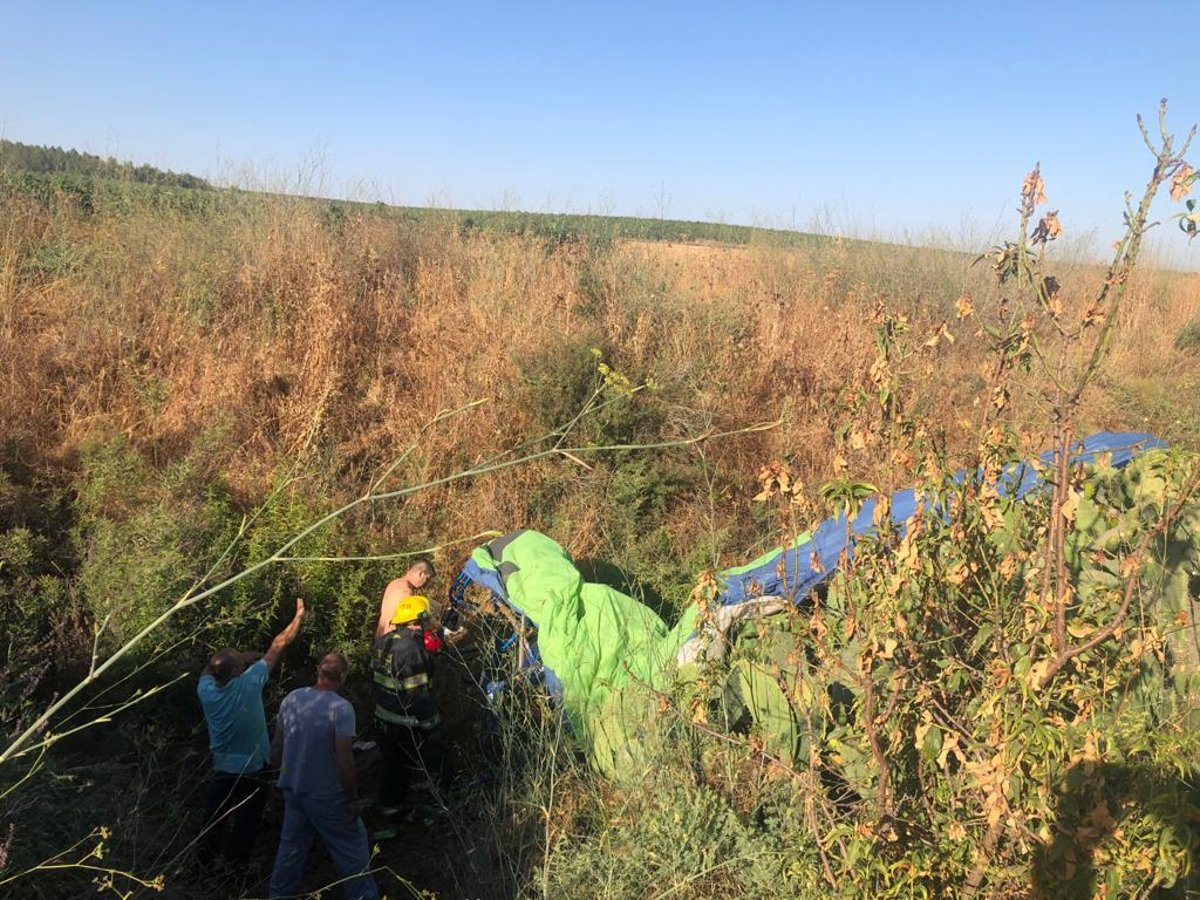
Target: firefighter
406, 716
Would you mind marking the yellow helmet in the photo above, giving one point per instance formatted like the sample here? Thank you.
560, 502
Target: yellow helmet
410, 609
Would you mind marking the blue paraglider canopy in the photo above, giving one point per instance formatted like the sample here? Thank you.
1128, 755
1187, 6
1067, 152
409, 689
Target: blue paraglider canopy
794, 571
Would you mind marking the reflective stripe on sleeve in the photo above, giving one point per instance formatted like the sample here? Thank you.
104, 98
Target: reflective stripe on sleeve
394, 718
388, 683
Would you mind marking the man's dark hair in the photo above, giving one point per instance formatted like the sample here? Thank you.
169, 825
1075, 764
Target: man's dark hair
427, 563
224, 664
334, 667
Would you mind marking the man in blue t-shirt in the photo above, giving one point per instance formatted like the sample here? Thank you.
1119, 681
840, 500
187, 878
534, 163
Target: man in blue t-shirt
230, 691
313, 746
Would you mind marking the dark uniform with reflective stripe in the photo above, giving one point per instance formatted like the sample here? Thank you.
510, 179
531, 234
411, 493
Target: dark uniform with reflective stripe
405, 713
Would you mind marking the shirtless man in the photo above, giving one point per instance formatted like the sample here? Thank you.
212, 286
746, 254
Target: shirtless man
410, 583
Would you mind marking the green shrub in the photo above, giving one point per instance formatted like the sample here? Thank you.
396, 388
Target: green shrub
642, 494
558, 382
671, 836
1189, 336
144, 538
341, 597
38, 622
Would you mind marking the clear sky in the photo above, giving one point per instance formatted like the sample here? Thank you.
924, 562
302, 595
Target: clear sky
898, 120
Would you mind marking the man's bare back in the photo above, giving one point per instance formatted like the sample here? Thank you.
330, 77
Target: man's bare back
412, 581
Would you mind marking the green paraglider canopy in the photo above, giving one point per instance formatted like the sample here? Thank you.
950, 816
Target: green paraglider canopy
609, 654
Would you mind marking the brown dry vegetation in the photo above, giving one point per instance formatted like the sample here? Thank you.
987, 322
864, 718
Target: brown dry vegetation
286, 335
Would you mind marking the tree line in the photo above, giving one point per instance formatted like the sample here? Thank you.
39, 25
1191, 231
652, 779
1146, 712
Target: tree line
17, 157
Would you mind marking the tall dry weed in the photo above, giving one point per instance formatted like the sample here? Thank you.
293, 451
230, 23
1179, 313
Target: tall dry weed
290, 334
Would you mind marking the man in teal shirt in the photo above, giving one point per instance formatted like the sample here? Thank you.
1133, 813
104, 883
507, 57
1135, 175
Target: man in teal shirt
230, 691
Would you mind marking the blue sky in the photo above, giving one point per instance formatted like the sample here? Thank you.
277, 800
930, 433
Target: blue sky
892, 120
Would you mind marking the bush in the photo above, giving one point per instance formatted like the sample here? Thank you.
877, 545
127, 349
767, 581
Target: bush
341, 597
144, 539
39, 626
675, 837
1188, 338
